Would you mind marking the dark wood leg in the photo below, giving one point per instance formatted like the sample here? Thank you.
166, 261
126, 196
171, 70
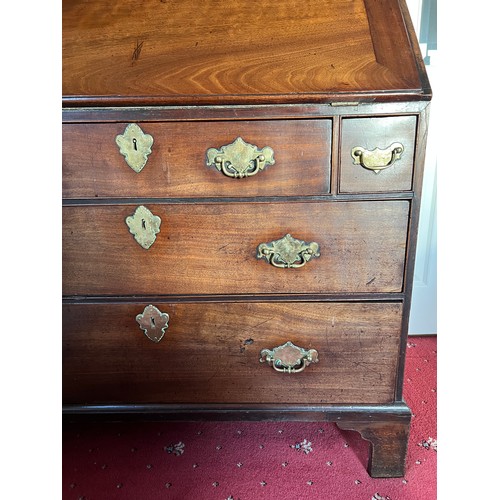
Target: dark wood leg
386, 427
389, 442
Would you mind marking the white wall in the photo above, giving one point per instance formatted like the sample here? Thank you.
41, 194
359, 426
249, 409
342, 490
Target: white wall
423, 316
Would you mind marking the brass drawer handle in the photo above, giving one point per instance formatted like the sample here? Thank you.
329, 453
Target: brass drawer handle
288, 358
144, 225
240, 159
288, 252
377, 159
153, 322
135, 146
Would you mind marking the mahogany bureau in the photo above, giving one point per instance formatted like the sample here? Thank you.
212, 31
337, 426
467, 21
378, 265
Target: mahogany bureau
241, 189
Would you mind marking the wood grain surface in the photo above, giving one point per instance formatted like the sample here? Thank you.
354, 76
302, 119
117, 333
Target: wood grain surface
94, 168
371, 133
311, 79
233, 51
211, 248
210, 353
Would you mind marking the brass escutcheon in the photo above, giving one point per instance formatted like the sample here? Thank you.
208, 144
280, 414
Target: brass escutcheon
240, 159
288, 252
377, 159
153, 322
144, 225
135, 146
289, 358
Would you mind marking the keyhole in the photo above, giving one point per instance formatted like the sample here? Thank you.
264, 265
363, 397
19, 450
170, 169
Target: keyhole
144, 224
153, 325
134, 140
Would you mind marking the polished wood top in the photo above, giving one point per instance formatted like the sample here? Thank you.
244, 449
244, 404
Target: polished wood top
238, 52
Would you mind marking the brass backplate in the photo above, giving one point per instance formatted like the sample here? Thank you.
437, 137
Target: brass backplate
377, 159
144, 225
240, 159
135, 146
288, 252
289, 358
153, 322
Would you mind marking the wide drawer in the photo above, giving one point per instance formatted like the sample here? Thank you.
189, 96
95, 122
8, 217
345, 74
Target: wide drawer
210, 248
377, 154
210, 353
177, 165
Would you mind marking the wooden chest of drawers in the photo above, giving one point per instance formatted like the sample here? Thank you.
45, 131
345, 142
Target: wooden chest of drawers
241, 187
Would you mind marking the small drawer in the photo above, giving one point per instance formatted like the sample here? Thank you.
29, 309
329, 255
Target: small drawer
216, 352
197, 159
377, 154
235, 248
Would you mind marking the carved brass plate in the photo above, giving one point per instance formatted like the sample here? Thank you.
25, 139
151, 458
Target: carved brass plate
288, 252
144, 225
135, 146
377, 159
289, 358
153, 322
240, 159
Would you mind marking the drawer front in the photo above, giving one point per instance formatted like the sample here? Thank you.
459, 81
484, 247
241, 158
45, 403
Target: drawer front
377, 154
177, 163
213, 248
210, 353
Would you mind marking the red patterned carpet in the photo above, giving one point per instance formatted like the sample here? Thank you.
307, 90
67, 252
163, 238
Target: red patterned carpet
252, 460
